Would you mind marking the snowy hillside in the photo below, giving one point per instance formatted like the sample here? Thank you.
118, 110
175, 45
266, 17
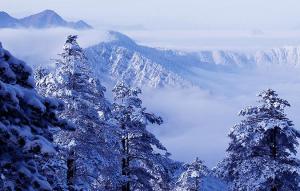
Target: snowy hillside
44, 19
287, 56
122, 58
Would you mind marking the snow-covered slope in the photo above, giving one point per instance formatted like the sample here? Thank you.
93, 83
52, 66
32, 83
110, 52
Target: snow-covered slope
287, 56
284, 56
120, 58
44, 19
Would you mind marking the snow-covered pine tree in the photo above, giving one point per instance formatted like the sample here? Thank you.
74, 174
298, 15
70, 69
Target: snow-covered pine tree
142, 165
262, 149
26, 121
91, 154
40, 72
191, 178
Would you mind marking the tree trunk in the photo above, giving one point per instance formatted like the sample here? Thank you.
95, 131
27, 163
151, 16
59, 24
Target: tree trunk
125, 163
274, 152
197, 183
274, 143
71, 171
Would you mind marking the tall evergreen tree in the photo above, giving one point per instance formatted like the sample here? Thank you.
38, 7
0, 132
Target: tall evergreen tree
26, 122
40, 72
261, 153
91, 153
191, 178
140, 163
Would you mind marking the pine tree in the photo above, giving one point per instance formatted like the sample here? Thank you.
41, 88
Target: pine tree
191, 178
140, 163
91, 153
26, 122
262, 148
40, 72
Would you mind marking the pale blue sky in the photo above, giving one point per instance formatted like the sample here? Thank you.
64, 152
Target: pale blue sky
245, 14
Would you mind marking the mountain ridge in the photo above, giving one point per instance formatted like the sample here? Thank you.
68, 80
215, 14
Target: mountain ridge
122, 58
45, 19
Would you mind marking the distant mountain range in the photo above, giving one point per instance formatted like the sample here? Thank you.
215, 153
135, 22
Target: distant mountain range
121, 58
44, 19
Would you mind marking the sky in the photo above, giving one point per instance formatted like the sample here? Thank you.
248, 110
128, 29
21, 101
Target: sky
174, 14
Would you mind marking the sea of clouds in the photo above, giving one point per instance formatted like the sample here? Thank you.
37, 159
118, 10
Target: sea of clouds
198, 121
39, 47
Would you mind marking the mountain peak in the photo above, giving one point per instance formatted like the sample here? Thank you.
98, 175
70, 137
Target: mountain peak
45, 19
80, 25
5, 15
7, 21
2, 13
48, 12
120, 38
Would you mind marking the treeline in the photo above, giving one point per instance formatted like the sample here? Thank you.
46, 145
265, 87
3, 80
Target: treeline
59, 132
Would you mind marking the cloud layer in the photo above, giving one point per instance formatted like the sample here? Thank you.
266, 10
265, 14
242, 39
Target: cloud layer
38, 47
197, 122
